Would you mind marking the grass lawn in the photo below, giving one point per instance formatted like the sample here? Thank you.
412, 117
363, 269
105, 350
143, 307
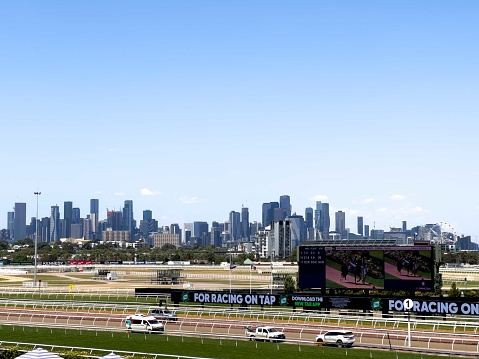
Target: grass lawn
186, 346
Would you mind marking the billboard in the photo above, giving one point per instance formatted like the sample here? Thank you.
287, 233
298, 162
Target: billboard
366, 267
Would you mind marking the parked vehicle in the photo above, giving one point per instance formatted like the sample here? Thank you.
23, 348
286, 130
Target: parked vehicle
267, 334
164, 314
336, 337
143, 323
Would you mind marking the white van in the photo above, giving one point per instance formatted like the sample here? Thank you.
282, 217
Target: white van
143, 323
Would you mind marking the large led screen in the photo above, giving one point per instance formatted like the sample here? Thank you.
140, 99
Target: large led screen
366, 267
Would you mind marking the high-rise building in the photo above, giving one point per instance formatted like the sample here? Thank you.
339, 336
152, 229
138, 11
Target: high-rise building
68, 217
76, 230
245, 230
144, 228
187, 227
268, 213
297, 230
94, 210
279, 214
94, 216
160, 239
285, 205
20, 221
200, 231
128, 221
10, 223
55, 224
254, 227
87, 233
340, 222
31, 228
360, 226
309, 223
45, 229
404, 226
147, 215
216, 238
317, 219
324, 221
366, 230
114, 220
235, 225
175, 229
280, 237
187, 239
76, 216
94, 205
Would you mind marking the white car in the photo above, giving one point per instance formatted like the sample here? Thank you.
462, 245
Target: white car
336, 337
143, 323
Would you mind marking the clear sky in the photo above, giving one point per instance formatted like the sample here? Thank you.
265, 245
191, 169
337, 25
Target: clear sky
193, 108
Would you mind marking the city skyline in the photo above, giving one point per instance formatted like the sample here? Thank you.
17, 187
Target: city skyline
192, 109
351, 222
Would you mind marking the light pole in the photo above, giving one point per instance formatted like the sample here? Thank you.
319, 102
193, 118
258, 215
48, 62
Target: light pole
36, 242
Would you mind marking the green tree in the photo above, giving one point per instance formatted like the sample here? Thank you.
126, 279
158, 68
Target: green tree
289, 284
454, 292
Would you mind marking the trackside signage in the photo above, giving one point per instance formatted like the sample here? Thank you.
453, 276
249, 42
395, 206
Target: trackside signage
229, 298
432, 307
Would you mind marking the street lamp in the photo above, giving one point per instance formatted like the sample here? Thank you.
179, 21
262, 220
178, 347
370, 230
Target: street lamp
36, 242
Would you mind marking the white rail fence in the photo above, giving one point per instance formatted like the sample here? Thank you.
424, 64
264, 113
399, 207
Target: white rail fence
116, 322
352, 319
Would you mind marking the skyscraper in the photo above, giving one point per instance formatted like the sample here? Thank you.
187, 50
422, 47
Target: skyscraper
245, 223
55, 224
317, 220
114, 220
216, 238
128, 221
68, 216
297, 230
340, 221
76, 216
45, 229
20, 221
94, 207
10, 223
366, 230
268, 213
87, 233
309, 223
360, 226
285, 205
280, 236
199, 228
147, 215
235, 225
324, 221
175, 229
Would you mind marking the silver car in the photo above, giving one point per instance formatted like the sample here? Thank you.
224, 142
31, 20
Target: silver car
336, 337
164, 314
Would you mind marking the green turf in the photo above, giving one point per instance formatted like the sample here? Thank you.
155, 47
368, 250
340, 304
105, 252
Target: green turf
187, 346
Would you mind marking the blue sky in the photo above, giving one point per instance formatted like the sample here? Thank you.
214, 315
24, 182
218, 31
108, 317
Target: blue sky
193, 108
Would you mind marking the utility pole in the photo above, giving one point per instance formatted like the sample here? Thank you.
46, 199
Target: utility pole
36, 242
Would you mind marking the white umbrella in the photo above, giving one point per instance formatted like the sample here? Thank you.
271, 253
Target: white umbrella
111, 356
39, 353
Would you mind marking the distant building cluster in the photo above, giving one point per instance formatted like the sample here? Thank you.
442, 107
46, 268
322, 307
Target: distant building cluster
278, 233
